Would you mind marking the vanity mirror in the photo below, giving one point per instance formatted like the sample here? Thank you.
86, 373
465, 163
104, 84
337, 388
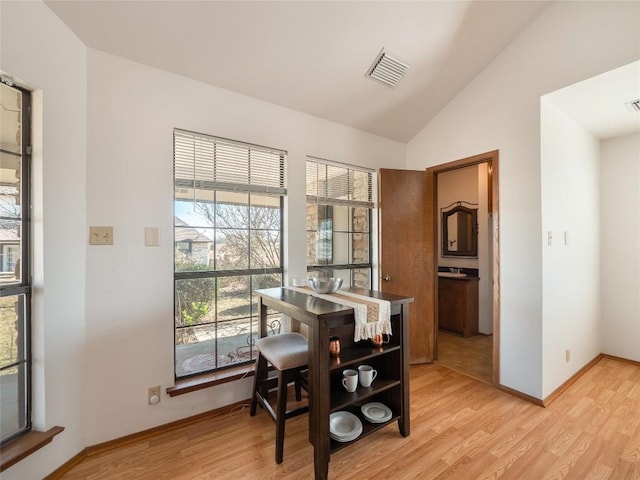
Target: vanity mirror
459, 230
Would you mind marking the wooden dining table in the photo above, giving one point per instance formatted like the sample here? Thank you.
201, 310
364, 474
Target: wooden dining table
323, 319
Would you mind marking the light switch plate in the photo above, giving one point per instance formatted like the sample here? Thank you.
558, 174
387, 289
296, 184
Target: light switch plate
100, 235
151, 237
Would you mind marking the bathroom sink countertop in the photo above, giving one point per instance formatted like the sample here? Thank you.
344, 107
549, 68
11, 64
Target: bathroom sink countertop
457, 276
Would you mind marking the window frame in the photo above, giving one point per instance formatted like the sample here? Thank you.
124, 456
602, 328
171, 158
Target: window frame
215, 187
330, 201
23, 287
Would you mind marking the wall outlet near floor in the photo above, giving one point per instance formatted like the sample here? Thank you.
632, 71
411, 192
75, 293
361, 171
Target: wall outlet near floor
153, 395
567, 355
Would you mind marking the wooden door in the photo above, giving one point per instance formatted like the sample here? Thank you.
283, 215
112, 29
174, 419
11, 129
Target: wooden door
407, 253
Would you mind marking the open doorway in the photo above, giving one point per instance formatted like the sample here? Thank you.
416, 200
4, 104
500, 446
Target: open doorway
466, 313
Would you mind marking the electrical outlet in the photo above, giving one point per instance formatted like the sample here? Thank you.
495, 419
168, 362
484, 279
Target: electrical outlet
153, 395
567, 355
100, 235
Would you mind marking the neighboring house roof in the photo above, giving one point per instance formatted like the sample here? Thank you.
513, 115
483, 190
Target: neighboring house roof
8, 235
8, 230
188, 233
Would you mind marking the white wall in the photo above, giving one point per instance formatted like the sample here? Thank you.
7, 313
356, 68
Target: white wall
106, 159
500, 109
570, 171
38, 49
620, 236
111, 165
132, 110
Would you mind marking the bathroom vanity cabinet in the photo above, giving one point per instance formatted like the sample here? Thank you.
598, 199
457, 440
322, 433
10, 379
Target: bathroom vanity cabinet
458, 305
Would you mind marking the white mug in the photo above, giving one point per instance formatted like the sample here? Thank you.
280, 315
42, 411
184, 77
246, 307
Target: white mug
367, 374
350, 380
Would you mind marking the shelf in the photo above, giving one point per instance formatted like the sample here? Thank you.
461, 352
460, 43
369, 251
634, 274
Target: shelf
326, 319
357, 354
367, 428
341, 399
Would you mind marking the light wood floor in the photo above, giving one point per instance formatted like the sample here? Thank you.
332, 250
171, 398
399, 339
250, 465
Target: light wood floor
461, 429
472, 355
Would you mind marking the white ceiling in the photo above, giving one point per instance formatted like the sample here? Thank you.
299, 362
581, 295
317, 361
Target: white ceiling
311, 56
598, 103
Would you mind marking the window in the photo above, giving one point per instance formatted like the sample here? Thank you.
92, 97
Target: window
15, 290
228, 217
10, 254
339, 206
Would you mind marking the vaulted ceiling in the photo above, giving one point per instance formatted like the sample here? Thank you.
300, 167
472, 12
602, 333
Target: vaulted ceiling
312, 56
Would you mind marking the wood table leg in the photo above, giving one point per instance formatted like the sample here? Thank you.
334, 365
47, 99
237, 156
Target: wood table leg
318, 315
404, 421
262, 308
319, 399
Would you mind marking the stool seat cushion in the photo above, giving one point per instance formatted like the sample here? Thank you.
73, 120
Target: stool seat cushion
284, 351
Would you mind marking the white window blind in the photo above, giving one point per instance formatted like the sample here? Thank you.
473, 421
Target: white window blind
333, 183
205, 162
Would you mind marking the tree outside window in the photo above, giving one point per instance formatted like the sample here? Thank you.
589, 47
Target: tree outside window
228, 242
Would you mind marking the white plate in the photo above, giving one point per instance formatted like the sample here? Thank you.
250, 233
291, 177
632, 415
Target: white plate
349, 438
345, 439
344, 425
376, 412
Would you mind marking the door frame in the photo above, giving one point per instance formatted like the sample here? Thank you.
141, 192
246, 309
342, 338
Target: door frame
492, 159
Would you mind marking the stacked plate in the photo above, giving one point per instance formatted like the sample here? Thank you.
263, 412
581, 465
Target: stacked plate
376, 412
344, 426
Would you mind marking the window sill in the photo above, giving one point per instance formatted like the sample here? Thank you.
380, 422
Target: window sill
25, 445
210, 379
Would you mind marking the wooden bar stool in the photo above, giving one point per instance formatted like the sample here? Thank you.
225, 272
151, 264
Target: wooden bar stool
289, 355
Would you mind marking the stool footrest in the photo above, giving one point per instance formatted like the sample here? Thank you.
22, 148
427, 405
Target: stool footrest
264, 403
297, 411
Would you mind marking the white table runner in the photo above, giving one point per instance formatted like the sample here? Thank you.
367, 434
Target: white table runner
372, 316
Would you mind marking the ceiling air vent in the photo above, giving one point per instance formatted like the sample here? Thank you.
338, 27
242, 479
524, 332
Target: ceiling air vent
387, 68
633, 105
